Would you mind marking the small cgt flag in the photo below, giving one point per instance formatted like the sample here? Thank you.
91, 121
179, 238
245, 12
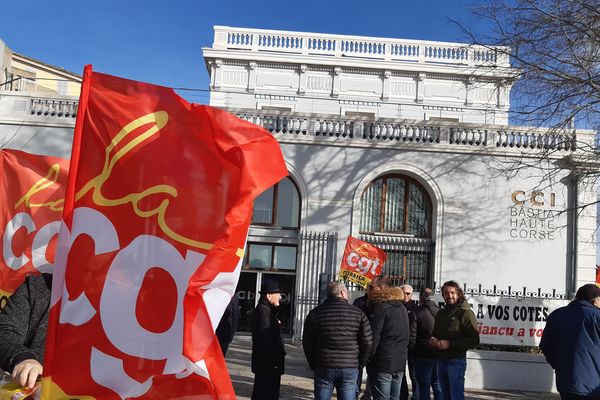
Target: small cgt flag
157, 210
598, 275
361, 262
32, 190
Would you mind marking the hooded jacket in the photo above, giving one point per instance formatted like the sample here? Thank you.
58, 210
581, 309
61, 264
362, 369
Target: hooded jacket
336, 335
571, 344
421, 326
389, 322
457, 324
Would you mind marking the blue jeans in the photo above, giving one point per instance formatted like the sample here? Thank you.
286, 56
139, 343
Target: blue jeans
426, 371
385, 386
452, 378
343, 379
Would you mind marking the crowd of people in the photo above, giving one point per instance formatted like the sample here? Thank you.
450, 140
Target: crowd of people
382, 332
385, 332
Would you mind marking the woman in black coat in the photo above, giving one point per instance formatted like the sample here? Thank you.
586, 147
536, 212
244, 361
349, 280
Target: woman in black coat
389, 322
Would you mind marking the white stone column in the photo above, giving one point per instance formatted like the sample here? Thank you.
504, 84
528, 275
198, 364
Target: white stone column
421, 87
502, 94
251, 76
218, 73
335, 89
385, 95
302, 80
469, 83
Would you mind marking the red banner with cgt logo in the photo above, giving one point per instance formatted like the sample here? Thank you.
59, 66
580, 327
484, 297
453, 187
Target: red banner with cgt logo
32, 190
157, 209
361, 262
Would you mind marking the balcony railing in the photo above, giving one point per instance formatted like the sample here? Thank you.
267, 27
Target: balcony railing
359, 47
54, 107
425, 133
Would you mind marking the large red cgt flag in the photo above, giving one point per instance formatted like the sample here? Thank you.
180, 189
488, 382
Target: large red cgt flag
157, 209
32, 189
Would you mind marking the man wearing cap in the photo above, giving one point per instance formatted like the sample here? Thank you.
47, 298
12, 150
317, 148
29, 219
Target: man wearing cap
268, 354
571, 344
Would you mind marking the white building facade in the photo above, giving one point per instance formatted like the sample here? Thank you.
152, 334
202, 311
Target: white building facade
405, 144
38, 105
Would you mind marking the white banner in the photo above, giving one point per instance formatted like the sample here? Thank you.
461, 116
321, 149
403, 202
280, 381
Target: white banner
510, 321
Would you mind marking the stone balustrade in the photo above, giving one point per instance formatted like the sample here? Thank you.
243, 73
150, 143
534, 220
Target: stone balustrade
54, 107
261, 40
424, 133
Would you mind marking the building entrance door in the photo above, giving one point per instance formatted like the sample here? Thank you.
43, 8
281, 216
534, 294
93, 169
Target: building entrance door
248, 294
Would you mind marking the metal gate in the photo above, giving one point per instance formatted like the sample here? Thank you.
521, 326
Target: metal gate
316, 255
409, 259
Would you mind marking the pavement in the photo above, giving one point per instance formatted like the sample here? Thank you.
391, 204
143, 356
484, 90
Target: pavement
297, 382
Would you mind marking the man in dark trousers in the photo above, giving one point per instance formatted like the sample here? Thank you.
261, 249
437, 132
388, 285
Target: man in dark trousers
362, 303
421, 326
229, 324
454, 332
268, 353
571, 344
411, 306
337, 342
389, 322
23, 327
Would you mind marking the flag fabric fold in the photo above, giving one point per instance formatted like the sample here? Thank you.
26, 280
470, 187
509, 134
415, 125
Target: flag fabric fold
31, 202
157, 209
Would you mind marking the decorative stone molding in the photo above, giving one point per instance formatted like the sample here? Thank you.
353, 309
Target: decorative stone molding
421, 87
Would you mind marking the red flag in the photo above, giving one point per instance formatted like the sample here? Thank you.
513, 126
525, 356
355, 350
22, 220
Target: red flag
361, 262
598, 275
157, 211
31, 203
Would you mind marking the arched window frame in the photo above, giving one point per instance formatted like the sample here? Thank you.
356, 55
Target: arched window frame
272, 223
409, 181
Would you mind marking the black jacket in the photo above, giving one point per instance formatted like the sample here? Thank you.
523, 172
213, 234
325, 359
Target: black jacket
268, 353
229, 322
421, 326
337, 335
389, 322
24, 322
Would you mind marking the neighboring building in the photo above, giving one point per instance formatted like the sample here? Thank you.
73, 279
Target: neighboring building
38, 105
406, 145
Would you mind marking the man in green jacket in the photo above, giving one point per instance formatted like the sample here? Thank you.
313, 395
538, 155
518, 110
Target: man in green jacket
454, 332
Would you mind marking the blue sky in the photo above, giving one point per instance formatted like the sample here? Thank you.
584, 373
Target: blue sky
160, 42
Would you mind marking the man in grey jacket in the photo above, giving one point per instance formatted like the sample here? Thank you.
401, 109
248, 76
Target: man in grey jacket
23, 326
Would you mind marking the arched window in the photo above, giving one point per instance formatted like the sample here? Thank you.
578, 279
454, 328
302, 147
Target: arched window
278, 206
396, 204
396, 215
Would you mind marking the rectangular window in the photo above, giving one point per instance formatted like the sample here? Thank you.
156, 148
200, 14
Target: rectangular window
259, 256
271, 257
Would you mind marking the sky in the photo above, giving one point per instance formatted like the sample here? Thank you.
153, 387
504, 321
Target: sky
161, 42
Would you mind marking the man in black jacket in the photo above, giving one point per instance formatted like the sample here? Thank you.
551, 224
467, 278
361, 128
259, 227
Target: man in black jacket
389, 322
411, 306
229, 324
23, 326
268, 353
421, 326
337, 341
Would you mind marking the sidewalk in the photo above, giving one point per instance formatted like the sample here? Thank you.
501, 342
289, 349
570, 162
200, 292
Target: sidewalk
297, 381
